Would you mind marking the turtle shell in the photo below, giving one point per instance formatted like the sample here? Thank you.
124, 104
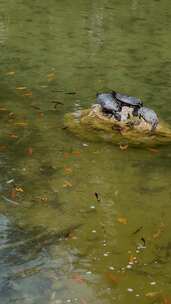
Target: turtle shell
129, 100
107, 102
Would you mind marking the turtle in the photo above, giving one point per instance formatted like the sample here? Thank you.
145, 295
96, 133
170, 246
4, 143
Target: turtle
128, 101
109, 104
149, 116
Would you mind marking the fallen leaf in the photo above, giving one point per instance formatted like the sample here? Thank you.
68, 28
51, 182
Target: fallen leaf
122, 220
30, 151
115, 279
21, 88
29, 93
13, 194
77, 278
10, 73
76, 153
68, 170
123, 147
67, 184
19, 189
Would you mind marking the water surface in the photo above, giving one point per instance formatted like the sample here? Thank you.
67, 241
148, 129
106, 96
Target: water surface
58, 242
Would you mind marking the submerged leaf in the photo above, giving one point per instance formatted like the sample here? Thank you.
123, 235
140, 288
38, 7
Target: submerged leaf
166, 300
68, 170
115, 279
67, 184
153, 295
21, 124
66, 155
21, 88
10, 73
51, 76
29, 93
14, 136
76, 153
3, 147
13, 193
77, 278
29, 151
3, 109
122, 220
153, 150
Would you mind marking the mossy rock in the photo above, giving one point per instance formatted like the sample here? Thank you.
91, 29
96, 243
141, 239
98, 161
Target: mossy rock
92, 124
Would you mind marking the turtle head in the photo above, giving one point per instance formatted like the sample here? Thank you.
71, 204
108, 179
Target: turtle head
114, 94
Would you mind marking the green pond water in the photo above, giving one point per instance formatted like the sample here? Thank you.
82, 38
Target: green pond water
59, 242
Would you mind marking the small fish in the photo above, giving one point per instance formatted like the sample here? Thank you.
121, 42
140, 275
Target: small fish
97, 196
138, 230
70, 93
143, 240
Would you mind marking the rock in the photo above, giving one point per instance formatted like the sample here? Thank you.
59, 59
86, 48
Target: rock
94, 125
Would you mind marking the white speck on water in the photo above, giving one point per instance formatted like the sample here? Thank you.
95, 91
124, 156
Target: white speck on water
92, 207
152, 283
137, 295
104, 245
116, 193
131, 263
111, 268
93, 231
106, 254
130, 289
10, 181
88, 272
137, 251
129, 266
85, 145
68, 301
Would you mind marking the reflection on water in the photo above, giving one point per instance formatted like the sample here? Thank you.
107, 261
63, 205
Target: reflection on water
59, 242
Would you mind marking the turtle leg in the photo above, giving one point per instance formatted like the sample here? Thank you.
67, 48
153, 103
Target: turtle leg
154, 125
117, 116
135, 111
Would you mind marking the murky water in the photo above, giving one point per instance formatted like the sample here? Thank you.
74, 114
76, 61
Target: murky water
59, 243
